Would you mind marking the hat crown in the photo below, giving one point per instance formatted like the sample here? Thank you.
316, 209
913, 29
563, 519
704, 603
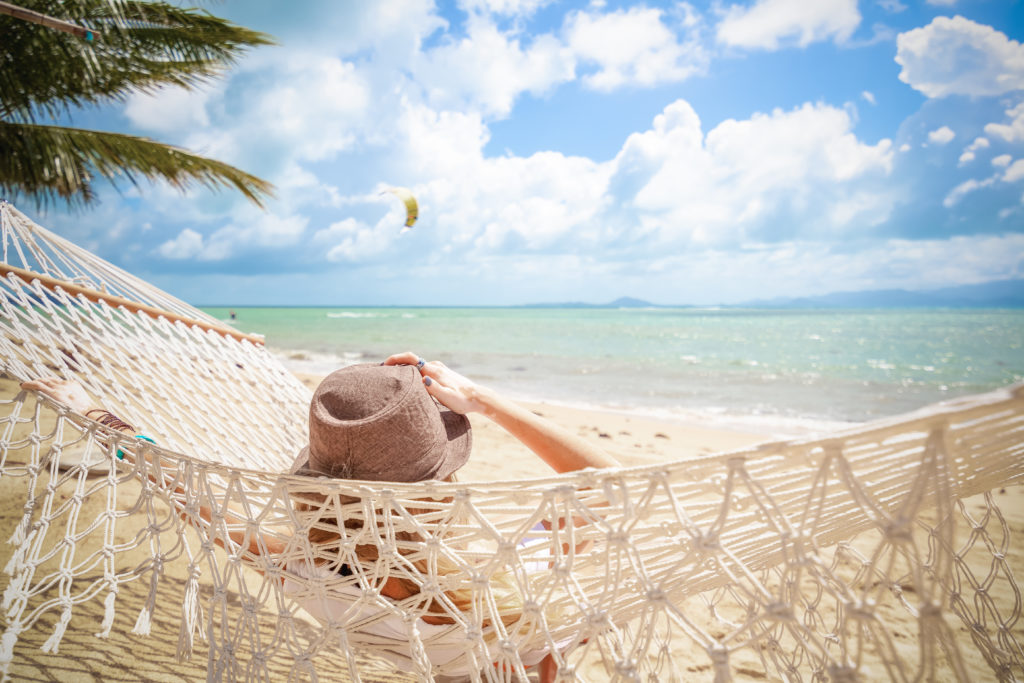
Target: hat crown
379, 423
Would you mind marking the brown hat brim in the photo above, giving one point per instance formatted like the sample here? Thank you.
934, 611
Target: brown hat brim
456, 450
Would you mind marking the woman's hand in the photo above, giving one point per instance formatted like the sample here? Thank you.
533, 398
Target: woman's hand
66, 391
453, 390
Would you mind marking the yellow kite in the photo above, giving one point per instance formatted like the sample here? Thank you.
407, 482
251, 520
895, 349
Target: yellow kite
412, 208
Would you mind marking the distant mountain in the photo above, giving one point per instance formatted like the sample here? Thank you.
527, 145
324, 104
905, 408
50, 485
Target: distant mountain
995, 294
621, 302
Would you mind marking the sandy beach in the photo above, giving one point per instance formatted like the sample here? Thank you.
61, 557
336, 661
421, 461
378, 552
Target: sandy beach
124, 656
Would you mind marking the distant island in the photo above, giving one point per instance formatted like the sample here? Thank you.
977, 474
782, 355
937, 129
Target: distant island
994, 294
621, 302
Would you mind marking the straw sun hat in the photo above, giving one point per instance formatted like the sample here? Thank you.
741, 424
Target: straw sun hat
378, 423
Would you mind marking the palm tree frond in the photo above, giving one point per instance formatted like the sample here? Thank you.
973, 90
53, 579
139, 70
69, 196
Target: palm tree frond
50, 162
141, 46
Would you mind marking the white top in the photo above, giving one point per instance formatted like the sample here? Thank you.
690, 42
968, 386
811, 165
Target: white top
328, 596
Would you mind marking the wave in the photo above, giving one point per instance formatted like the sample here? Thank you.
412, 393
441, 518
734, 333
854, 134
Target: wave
350, 314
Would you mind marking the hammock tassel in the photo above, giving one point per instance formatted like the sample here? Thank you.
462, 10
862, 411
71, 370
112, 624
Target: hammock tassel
7, 643
191, 614
58, 631
108, 613
142, 624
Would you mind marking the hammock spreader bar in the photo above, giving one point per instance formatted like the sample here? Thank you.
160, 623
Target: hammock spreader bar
120, 302
47, 21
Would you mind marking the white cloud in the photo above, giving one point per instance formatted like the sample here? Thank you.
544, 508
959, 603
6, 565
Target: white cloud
941, 3
188, 244
752, 176
634, 47
1015, 172
869, 97
970, 150
1012, 174
770, 24
263, 230
168, 110
488, 69
1012, 132
963, 189
504, 7
893, 6
798, 267
904, 147
956, 56
668, 187
941, 136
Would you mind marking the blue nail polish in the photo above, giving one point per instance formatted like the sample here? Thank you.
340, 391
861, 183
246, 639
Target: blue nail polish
428, 381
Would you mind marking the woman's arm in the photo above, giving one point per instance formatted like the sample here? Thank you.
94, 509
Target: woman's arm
73, 395
562, 450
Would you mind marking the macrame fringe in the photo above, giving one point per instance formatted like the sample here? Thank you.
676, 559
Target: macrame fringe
53, 641
108, 613
7, 643
191, 614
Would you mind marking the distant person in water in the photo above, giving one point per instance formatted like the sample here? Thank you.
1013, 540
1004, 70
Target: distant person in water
233, 316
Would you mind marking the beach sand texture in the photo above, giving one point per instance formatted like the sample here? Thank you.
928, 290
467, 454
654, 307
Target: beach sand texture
634, 440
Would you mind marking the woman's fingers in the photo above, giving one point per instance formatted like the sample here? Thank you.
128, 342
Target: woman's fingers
407, 358
449, 398
68, 392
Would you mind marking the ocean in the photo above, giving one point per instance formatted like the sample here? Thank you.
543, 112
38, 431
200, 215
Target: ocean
772, 371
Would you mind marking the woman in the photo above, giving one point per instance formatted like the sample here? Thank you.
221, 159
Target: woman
379, 423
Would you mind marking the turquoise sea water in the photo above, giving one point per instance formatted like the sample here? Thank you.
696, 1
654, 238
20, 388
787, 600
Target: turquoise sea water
776, 367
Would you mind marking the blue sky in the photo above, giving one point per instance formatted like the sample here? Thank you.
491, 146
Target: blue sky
678, 152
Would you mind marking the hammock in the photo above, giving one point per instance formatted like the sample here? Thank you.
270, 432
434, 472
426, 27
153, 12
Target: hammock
788, 560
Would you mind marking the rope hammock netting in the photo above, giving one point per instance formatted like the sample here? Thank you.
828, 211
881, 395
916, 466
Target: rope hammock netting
789, 560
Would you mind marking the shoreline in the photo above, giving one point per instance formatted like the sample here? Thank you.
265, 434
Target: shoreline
765, 424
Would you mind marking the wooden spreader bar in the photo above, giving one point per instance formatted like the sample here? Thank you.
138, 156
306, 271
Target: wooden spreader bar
121, 302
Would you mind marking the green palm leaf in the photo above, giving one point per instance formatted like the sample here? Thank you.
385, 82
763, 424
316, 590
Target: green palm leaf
140, 47
51, 162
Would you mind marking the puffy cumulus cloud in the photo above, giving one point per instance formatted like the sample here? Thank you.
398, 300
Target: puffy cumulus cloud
1012, 173
965, 188
956, 56
188, 244
1012, 131
769, 177
504, 7
635, 47
260, 231
353, 241
771, 24
969, 153
322, 95
941, 136
1015, 172
488, 69
799, 267
471, 205
273, 115
168, 110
